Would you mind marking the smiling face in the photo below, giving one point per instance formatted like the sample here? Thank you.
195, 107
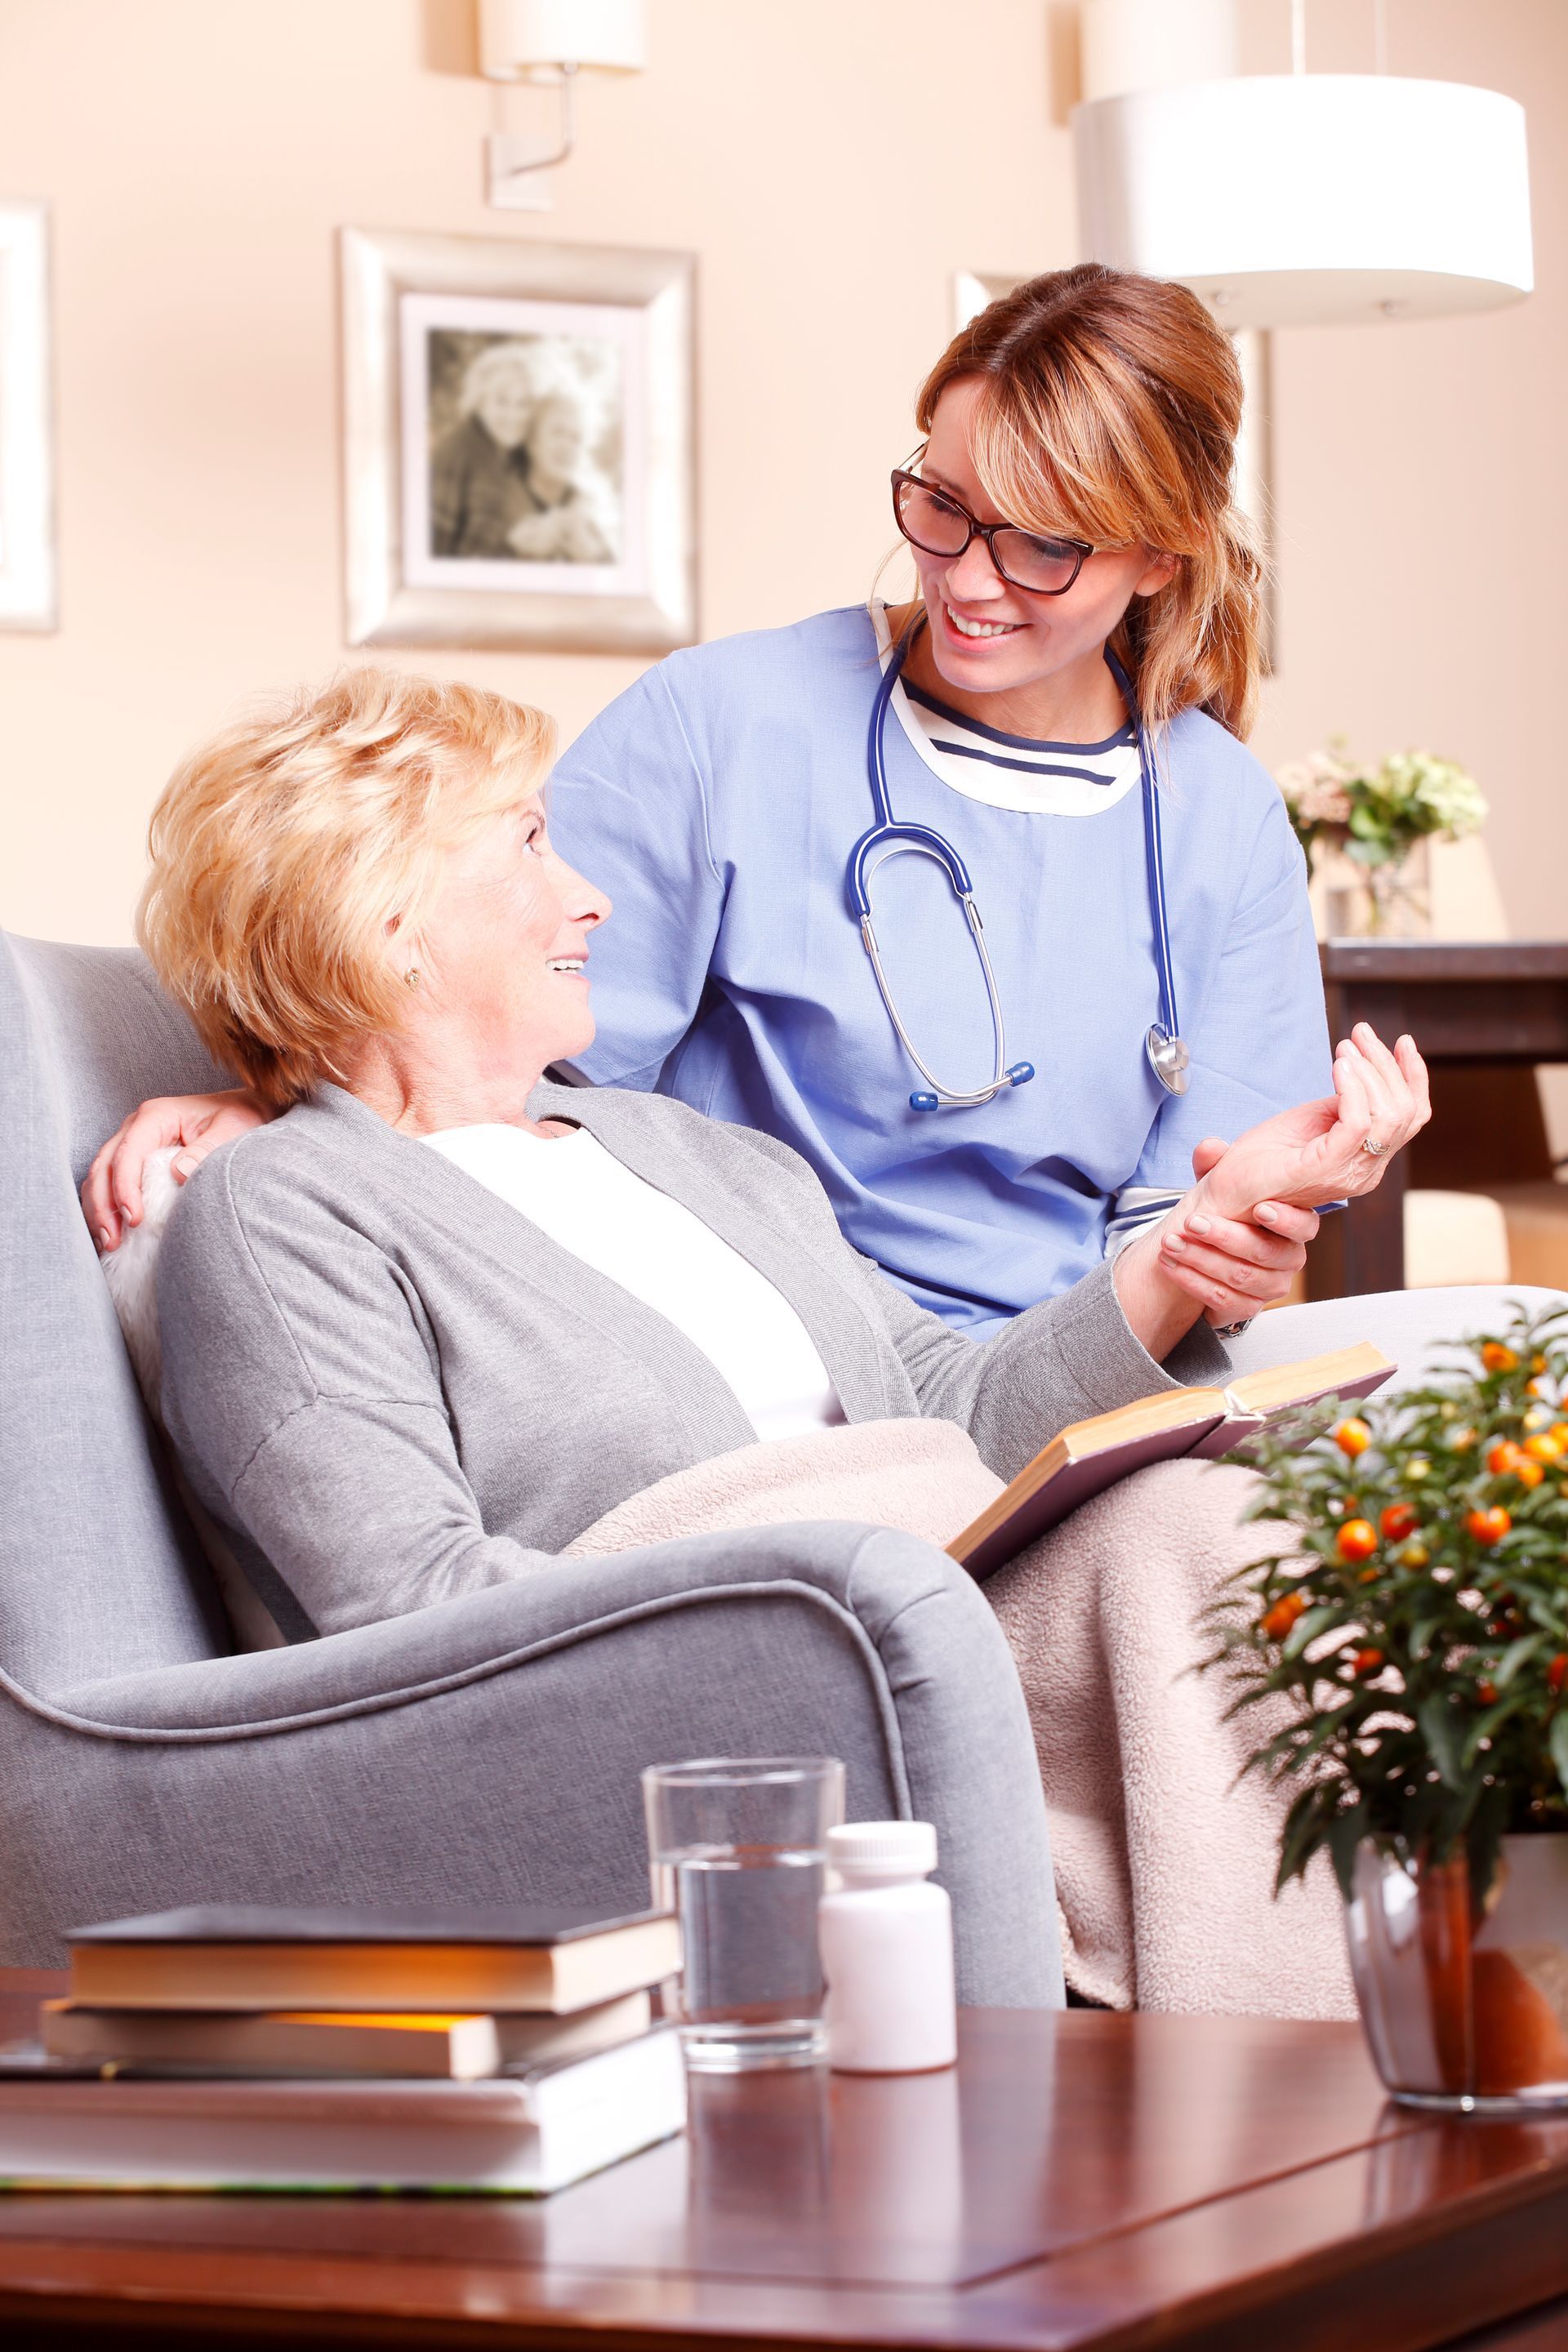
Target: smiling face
504, 404
987, 637
555, 439
504, 944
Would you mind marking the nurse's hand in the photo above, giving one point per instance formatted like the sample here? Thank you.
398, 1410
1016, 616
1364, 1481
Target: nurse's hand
1330, 1149
1197, 1262
112, 1193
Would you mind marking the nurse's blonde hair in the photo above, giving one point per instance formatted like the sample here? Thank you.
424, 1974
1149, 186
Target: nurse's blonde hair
294, 857
1108, 411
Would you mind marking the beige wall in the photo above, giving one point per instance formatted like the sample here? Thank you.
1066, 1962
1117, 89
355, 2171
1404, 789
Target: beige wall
832, 162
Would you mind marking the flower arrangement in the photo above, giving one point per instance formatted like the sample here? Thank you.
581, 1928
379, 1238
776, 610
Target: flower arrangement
1376, 815
1417, 1628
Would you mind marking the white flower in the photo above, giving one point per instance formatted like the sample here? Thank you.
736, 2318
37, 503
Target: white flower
1442, 798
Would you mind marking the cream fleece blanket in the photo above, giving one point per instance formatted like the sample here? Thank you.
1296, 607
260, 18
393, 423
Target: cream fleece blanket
1164, 1866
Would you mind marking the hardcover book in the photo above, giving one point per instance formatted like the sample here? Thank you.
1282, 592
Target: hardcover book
238, 1957
1090, 1456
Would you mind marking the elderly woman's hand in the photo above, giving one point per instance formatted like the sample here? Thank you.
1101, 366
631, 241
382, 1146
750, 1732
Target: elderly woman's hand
112, 1193
1330, 1149
1238, 1239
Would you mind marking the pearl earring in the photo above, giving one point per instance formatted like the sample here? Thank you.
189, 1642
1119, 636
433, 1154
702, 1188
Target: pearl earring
412, 976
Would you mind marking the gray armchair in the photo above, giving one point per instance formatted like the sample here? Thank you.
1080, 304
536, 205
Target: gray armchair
485, 1750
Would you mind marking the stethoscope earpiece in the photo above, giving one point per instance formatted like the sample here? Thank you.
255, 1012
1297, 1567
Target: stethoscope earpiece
1018, 1076
1167, 1055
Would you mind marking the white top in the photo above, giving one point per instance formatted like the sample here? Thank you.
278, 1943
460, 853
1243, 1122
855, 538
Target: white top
582, 1197
1011, 771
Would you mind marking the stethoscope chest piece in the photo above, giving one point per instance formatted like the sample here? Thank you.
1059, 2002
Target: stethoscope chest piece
1169, 1059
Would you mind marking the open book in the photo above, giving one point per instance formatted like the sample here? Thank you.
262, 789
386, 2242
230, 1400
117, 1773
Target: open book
1090, 1456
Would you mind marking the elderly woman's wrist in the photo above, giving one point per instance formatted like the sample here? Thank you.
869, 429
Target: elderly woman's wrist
1157, 1310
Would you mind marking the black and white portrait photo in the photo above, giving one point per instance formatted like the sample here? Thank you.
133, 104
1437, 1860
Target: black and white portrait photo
518, 444
524, 435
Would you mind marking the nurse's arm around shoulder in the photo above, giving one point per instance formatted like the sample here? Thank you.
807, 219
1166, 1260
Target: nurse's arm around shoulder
1230, 1247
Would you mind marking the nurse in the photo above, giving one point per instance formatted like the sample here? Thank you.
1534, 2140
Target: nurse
1057, 719
1083, 576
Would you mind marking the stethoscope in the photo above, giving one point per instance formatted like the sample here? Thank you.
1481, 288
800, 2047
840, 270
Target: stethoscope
1168, 1056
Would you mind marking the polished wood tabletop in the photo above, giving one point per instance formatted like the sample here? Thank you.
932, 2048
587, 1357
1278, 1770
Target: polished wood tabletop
1078, 2180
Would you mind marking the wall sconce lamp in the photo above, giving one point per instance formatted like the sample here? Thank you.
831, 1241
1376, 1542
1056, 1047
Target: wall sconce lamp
547, 43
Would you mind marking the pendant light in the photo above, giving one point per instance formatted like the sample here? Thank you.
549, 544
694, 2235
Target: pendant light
1296, 199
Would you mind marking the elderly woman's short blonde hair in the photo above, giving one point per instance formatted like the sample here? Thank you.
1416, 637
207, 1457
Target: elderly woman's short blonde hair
539, 363
287, 853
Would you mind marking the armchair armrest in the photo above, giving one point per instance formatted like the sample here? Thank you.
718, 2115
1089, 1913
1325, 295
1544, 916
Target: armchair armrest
488, 1750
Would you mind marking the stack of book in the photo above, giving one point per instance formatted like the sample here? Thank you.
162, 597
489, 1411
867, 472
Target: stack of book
506, 2051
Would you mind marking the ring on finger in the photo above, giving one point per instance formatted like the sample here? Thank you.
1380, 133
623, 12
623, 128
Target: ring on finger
1377, 1150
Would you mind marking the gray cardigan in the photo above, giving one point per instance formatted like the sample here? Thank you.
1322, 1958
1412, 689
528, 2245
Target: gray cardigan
390, 1388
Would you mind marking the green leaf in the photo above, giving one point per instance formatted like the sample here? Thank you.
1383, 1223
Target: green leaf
1303, 1833
1307, 1629
1346, 1831
1485, 1726
1421, 1635
1514, 1656
1559, 1744
1444, 1735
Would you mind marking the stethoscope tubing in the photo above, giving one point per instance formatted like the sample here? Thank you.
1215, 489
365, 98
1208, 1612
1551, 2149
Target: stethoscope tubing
887, 837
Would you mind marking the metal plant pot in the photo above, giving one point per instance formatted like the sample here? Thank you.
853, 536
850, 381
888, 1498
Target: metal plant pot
1465, 2012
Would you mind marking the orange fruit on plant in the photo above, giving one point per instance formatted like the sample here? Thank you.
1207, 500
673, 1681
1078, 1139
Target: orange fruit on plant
1496, 1357
1398, 1520
1489, 1528
1415, 1555
1503, 1458
1544, 1447
1356, 1540
1529, 1474
1276, 1624
1352, 1437
1366, 1662
1557, 1672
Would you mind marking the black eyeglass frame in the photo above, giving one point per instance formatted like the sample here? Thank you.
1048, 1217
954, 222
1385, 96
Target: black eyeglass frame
989, 531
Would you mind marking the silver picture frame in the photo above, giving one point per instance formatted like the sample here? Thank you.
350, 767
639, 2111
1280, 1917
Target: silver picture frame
28, 569
635, 591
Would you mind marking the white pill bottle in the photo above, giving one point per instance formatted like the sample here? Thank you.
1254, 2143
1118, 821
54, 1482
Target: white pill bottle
886, 1937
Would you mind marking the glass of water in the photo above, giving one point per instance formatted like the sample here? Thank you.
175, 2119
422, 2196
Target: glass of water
738, 1846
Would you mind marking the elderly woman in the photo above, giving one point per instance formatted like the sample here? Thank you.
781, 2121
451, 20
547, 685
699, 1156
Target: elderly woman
441, 1314
567, 520
478, 469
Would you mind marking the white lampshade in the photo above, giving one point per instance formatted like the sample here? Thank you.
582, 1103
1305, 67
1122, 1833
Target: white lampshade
520, 37
1291, 200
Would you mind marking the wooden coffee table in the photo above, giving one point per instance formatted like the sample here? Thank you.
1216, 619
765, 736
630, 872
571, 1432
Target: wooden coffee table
1082, 2180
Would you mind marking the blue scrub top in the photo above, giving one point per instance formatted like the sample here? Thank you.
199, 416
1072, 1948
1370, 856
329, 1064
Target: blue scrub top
718, 800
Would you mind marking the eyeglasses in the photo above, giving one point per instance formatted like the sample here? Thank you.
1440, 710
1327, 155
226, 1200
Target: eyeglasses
934, 521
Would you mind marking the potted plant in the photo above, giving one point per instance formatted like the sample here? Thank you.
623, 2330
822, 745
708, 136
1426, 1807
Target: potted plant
1377, 817
1412, 1645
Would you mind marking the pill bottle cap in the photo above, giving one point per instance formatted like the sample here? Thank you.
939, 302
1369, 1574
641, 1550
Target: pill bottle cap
883, 1849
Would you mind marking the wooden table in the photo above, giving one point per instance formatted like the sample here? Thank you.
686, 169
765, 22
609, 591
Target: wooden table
1495, 1003
1080, 2179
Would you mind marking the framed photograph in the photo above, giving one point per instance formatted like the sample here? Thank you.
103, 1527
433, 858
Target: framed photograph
519, 460
28, 569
